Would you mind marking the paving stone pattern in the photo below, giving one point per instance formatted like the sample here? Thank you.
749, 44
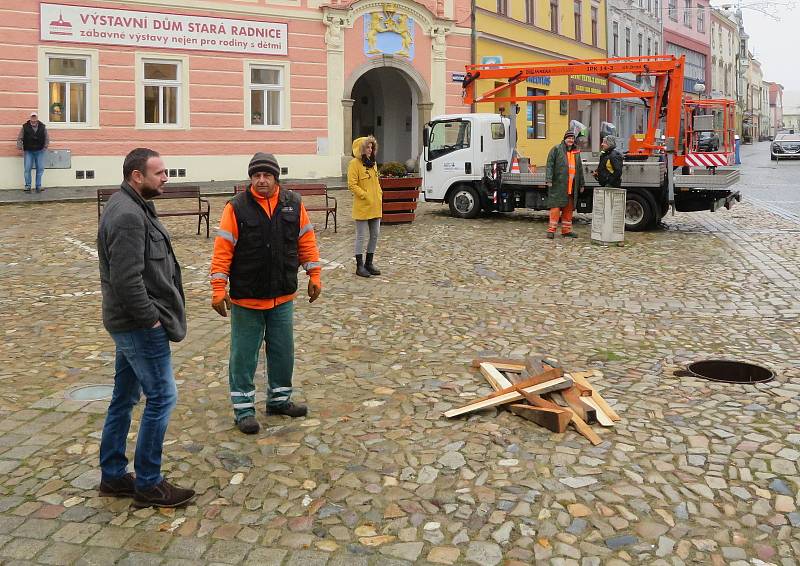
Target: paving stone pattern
695, 473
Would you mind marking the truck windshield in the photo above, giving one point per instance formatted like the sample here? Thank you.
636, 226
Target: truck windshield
447, 137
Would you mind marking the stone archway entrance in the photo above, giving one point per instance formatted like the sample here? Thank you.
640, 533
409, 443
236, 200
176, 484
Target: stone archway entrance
388, 99
383, 106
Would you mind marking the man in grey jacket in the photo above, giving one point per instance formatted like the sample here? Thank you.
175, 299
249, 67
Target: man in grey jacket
143, 310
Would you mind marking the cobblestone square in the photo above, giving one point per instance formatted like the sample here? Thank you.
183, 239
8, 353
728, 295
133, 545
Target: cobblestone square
695, 473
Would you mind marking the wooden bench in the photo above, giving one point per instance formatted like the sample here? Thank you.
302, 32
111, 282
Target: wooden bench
330, 206
170, 193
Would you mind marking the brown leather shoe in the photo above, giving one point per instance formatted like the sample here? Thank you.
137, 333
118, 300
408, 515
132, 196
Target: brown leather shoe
124, 486
163, 494
289, 409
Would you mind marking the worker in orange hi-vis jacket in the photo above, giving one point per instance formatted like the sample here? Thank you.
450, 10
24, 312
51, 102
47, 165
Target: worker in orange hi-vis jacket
264, 236
564, 178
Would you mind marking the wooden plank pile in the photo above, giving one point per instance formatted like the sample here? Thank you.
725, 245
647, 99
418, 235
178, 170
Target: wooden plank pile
539, 390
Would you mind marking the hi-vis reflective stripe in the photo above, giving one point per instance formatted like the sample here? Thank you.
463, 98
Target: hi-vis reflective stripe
311, 265
225, 235
708, 159
307, 228
243, 405
240, 394
219, 276
279, 389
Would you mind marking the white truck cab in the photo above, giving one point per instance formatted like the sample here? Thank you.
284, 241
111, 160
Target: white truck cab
456, 147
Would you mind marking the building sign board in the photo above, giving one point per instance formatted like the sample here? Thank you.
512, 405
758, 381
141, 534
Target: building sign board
544, 81
83, 24
587, 84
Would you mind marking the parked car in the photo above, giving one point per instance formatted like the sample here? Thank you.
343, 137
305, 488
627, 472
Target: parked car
785, 146
708, 141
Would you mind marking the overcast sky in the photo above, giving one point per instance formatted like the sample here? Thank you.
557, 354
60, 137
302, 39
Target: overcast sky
776, 44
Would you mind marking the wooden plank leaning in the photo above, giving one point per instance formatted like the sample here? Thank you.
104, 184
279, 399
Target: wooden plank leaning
580, 378
495, 378
580, 425
575, 402
546, 387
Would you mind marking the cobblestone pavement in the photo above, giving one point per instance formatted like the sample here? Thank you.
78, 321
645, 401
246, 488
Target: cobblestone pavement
695, 473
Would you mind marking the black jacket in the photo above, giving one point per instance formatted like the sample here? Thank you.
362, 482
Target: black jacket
34, 140
609, 169
139, 275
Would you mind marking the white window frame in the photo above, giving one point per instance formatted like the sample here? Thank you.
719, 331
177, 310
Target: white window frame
183, 89
45, 53
285, 89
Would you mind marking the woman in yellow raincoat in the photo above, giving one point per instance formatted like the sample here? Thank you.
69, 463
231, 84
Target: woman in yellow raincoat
362, 180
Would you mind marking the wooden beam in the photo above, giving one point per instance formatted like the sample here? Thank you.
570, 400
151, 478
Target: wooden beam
584, 429
580, 425
536, 380
539, 401
510, 368
602, 418
580, 379
534, 365
496, 379
575, 402
503, 364
554, 420
546, 387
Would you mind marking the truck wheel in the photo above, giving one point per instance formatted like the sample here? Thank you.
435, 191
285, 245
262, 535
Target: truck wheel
464, 202
638, 212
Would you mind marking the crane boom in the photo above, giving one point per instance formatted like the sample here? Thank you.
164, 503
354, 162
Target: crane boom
664, 99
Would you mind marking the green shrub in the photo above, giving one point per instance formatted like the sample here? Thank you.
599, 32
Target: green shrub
393, 169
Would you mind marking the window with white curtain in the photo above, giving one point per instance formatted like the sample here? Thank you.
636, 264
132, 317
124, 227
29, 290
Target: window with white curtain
266, 95
162, 91
68, 87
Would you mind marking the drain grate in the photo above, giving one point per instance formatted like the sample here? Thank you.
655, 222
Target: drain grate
727, 371
91, 393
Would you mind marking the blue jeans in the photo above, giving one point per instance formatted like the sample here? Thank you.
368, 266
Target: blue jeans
143, 365
31, 158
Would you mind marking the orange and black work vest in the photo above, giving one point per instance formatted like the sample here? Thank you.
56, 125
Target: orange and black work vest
265, 257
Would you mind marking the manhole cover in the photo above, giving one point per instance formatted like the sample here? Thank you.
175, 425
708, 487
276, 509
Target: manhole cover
91, 393
727, 371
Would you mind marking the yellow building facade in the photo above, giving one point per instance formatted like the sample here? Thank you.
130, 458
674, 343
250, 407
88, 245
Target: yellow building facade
517, 31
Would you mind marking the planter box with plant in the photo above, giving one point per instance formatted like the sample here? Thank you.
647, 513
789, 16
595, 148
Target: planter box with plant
400, 193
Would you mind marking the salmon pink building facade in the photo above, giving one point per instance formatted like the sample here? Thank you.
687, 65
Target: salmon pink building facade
209, 83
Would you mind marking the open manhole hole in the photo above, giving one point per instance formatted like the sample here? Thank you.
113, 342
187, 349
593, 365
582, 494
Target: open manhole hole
727, 371
91, 393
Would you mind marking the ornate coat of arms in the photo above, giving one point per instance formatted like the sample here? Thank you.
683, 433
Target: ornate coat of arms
389, 33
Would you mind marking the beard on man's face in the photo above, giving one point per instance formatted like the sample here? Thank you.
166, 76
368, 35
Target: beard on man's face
149, 191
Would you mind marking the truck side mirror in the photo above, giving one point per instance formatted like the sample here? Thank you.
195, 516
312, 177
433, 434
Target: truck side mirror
425, 134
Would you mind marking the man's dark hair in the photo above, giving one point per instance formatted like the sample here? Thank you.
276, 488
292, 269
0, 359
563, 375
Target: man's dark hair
136, 160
